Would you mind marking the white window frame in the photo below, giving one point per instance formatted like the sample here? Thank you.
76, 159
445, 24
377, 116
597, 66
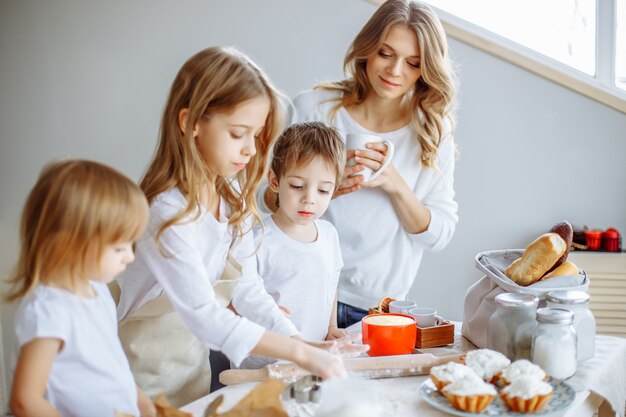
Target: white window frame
600, 87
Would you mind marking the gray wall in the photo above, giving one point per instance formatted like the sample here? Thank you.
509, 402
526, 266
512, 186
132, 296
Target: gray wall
89, 81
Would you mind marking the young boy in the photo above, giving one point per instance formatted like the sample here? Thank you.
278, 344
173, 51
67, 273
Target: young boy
299, 257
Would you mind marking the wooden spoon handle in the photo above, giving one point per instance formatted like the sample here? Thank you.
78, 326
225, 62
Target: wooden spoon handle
366, 367
239, 376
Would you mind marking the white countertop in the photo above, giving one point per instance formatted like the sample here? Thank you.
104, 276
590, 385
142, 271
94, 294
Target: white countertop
400, 396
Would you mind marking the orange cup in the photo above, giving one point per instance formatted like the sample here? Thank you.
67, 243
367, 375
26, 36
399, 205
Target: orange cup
389, 334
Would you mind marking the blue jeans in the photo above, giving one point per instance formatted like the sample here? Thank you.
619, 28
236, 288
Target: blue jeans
347, 315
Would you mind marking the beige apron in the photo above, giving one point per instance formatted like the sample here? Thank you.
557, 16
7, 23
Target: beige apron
164, 355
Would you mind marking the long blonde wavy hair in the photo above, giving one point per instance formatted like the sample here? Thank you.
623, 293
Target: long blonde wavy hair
75, 209
214, 80
434, 92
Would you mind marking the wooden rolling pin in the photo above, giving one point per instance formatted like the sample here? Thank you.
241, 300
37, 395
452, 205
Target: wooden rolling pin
367, 367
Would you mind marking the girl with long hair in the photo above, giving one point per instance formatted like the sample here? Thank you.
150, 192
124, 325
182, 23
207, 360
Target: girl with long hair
196, 257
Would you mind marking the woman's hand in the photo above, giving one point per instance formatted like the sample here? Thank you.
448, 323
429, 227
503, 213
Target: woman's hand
373, 158
350, 183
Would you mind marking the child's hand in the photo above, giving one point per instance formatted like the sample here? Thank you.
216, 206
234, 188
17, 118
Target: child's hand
286, 310
322, 363
345, 347
336, 333
145, 405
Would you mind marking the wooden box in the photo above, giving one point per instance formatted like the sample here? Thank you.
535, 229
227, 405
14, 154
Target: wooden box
440, 335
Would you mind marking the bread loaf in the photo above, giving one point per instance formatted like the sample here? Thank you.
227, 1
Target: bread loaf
566, 268
565, 230
383, 304
537, 259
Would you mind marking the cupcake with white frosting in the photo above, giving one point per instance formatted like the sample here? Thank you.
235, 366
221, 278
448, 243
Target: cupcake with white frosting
470, 394
526, 394
523, 368
488, 364
443, 375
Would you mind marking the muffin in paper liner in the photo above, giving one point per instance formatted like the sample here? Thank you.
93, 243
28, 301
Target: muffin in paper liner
530, 405
450, 371
438, 384
469, 403
526, 394
470, 394
505, 382
488, 364
522, 368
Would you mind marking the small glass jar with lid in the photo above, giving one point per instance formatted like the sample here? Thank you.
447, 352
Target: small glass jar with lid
554, 342
584, 323
511, 327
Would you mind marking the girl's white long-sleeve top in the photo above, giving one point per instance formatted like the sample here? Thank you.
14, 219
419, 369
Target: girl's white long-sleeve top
196, 252
380, 257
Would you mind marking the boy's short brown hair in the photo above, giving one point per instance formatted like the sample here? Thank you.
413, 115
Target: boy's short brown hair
300, 143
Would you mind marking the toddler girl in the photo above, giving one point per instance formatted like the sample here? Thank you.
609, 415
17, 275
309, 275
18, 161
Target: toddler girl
77, 230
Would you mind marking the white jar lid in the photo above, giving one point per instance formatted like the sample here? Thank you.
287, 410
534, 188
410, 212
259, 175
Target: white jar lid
516, 300
568, 297
554, 316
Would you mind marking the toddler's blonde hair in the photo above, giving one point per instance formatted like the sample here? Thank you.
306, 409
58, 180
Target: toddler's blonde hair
75, 209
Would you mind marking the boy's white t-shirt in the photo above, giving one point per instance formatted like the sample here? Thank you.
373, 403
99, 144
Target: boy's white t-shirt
302, 276
90, 376
299, 275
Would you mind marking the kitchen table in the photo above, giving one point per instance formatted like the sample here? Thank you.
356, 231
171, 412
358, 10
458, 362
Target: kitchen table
401, 395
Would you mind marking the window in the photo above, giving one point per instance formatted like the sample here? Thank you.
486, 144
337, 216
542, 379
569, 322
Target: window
620, 45
560, 29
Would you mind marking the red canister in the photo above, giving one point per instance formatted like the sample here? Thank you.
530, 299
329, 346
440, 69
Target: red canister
594, 239
611, 240
389, 334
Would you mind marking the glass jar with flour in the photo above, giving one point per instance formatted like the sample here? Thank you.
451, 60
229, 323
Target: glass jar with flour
584, 323
554, 342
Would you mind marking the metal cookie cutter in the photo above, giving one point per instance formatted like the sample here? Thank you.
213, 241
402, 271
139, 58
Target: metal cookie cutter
304, 389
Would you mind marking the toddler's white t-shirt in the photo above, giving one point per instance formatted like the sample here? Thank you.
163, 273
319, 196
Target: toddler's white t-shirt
90, 376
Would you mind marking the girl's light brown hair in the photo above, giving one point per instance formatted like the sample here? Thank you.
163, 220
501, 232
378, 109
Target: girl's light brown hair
75, 209
215, 80
300, 143
434, 92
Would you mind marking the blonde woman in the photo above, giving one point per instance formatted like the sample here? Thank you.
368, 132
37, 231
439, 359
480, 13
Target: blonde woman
196, 257
77, 229
400, 88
